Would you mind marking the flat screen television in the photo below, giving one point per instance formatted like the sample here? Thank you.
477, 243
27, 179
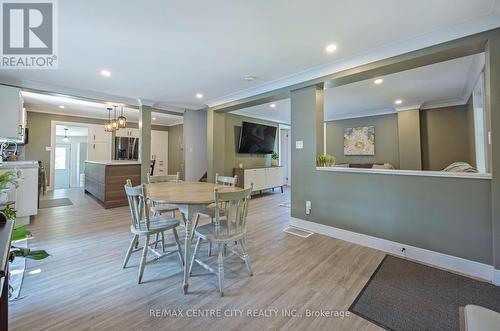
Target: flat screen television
256, 138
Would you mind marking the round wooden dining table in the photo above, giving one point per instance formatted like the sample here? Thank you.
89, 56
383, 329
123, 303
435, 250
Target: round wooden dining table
190, 198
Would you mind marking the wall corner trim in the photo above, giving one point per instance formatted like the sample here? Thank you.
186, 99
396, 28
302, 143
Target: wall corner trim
466, 267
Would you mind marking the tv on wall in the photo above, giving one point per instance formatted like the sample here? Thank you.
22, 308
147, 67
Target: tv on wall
256, 139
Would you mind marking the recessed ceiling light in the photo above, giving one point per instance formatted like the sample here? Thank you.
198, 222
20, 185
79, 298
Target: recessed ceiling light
398, 102
62, 107
250, 78
379, 81
199, 95
154, 118
273, 105
105, 73
331, 48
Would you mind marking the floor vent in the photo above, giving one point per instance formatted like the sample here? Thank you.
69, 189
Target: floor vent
298, 232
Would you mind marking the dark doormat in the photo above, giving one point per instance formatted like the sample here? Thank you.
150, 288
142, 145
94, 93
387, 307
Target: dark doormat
54, 203
404, 295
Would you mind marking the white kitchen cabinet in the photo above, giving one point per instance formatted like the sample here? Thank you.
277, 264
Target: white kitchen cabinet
262, 178
159, 151
99, 151
11, 107
25, 196
128, 133
97, 134
27, 193
99, 148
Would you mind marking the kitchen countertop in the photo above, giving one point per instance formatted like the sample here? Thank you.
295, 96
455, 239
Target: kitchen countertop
18, 164
115, 162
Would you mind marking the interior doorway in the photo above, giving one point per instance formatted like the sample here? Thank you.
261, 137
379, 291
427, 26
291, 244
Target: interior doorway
70, 154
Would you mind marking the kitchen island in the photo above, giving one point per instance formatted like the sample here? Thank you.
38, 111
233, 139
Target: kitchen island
105, 180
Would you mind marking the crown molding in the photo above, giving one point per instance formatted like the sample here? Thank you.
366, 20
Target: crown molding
444, 103
368, 113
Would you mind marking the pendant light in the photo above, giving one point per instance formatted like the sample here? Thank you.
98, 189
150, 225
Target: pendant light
108, 127
122, 120
114, 122
65, 139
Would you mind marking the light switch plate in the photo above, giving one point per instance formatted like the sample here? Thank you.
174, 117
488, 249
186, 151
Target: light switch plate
299, 144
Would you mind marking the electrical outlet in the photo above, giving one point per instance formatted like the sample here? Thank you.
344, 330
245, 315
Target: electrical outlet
308, 207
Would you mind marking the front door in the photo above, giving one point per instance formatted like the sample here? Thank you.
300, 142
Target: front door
62, 166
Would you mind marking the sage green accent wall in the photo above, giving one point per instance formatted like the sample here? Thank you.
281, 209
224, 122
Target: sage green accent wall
445, 137
231, 157
175, 151
447, 215
386, 139
410, 151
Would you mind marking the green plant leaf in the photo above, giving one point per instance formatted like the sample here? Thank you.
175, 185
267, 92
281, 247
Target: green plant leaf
20, 234
18, 226
29, 254
37, 255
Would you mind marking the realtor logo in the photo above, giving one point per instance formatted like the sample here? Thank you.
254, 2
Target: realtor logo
28, 34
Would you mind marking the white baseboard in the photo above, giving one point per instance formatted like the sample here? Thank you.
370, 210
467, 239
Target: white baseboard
440, 260
496, 277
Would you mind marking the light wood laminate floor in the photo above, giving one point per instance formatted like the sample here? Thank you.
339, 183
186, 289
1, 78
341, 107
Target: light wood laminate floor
82, 285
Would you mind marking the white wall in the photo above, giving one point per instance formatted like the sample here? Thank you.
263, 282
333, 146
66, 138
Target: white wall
195, 144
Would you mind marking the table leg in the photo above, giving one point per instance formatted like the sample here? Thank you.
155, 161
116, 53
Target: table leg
187, 250
188, 213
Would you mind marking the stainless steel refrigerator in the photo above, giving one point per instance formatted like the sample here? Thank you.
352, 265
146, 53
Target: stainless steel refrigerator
126, 148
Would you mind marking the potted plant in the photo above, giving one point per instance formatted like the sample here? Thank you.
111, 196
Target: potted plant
274, 159
7, 180
325, 160
18, 234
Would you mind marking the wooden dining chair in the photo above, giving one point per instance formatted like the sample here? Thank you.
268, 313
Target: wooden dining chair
224, 232
210, 210
146, 226
160, 207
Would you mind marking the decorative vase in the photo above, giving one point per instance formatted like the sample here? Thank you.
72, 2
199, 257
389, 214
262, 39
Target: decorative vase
4, 196
274, 163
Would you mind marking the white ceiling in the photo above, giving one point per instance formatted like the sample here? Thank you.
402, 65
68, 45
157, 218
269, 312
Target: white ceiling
164, 52
42, 103
441, 84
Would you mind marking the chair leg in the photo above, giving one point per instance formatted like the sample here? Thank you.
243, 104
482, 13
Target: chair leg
209, 242
179, 248
196, 247
197, 219
221, 269
133, 243
157, 239
143, 259
244, 250
163, 242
